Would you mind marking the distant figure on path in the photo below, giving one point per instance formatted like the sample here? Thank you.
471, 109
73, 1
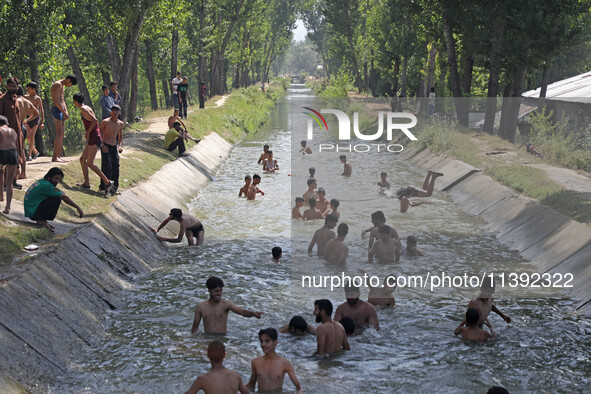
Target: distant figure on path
112, 131
202, 94
107, 103
175, 90
35, 125
59, 111
8, 161
183, 88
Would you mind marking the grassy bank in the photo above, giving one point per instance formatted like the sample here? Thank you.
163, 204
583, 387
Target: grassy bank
506, 163
243, 112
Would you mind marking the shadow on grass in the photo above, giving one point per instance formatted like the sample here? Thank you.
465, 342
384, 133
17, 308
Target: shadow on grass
575, 205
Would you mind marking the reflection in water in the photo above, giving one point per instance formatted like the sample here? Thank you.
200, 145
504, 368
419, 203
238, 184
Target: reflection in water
148, 347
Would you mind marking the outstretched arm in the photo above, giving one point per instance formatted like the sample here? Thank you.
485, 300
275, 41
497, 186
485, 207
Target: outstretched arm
244, 312
164, 223
71, 203
179, 237
498, 312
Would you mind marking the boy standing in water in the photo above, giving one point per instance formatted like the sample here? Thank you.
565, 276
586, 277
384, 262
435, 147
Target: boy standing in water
244, 189
311, 192
336, 251
270, 369
323, 235
313, 213
411, 249
472, 332
277, 252
295, 212
383, 183
190, 227
334, 204
347, 169
378, 219
252, 192
322, 204
219, 379
330, 335
385, 249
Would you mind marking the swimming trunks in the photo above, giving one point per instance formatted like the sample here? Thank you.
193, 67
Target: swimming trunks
34, 122
8, 157
94, 137
408, 191
196, 230
57, 114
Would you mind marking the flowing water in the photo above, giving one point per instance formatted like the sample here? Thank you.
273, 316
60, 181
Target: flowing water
148, 347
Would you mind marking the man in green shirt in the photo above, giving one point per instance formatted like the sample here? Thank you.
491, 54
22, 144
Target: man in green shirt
43, 199
176, 137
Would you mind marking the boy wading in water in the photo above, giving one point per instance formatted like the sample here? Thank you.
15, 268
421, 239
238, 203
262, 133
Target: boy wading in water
215, 310
404, 194
472, 332
270, 369
219, 380
190, 226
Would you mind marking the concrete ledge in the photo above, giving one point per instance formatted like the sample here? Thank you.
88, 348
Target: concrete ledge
52, 305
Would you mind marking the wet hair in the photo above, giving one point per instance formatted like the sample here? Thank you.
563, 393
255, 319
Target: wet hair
115, 107
472, 316
342, 230
321, 190
310, 181
276, 252
385, 230
13, 80
405, 192
53, 171
312, 170
303, 142
383, 173
331, 217
411, 240
104, 87
343, 157
20, 92
298, 323
312, 201
32, 85
324, 305
216, 351
265, 146
348, 324
113, 83
176, 213
214, 282
3, 120
256, 176
79, 97
247, 177
335, 203
270, 332
72, 79
300, 199
497, 390
378, 215
176, 124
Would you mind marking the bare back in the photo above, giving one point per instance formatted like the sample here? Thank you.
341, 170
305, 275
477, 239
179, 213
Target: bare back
331, 338
483, 306
363, 314
7, 138
322, 237
336, 252
218, 381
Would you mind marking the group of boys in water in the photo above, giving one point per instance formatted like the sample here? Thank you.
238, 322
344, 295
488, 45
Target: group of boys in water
350, 317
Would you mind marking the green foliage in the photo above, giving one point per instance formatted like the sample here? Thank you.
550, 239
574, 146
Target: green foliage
558, 144
339, 85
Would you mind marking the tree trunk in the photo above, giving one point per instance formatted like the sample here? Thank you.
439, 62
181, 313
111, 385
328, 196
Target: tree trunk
372, 76
128, 58
202, 58
467, 76
114, 58
35, 77
495, 70
166, 91
396, 72
150, 74
78, 72
347, 23
134, 87
403, 79
106, 77
48, 118
266, 62
174, 53
511, 105
431, 70
461, 107
544, 88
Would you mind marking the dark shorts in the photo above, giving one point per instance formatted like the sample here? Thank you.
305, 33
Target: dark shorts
95, 139
24, 130
34, 122
196, 230
57, 114
10, 157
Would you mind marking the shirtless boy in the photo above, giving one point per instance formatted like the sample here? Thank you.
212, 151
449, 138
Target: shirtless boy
411, 249
28, 114
270, 369
190, 227
336, 251
383, 183
330, 335
263, 156
382, 295
215, 310
323, 235
484, 305
244, 189
37, 124
277, 253
472, 332
305, 149
404, 194
254, 189
312, 171
322, 204
334, 205
386, 249
270, 164
297, 326
295, 212
59, 111
112, 131
219, 380
347, 168
378, 219
363, 313
8, 161
311, 192
313, 213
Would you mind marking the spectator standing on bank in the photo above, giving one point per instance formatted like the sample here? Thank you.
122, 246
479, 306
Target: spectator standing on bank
175, 90
182, 88
202, 93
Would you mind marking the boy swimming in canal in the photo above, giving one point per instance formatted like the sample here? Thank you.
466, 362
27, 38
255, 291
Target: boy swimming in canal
472, 332
219, 379
190, 227
270, 369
